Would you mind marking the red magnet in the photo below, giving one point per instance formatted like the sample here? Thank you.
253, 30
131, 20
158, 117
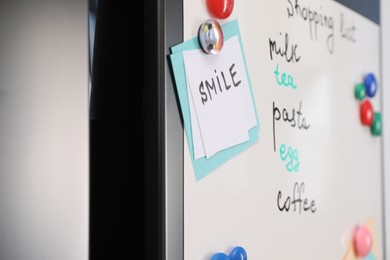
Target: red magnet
366, 113
362, 241
220, 8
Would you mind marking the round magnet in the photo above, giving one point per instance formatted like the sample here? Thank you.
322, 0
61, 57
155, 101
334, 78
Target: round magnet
210, 36
370, 84
366, 113
362, 241
220, 256
376, 126
238, 253
360, 91
220, 8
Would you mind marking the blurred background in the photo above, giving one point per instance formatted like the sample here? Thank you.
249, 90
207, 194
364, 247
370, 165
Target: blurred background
65, 171
44, 130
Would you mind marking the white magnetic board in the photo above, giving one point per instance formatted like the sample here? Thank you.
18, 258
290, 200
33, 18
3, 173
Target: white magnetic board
244, 201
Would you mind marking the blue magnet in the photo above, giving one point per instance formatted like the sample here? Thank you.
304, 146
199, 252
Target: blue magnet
238, 253
371, 85
220, 256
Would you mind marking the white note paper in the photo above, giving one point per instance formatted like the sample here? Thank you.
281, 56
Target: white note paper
222, 110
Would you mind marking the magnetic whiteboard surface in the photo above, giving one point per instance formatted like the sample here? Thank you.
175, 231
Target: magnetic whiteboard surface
340, 161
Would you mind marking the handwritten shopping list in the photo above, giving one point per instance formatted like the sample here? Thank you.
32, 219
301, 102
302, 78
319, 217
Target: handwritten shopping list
219, 91
215, 94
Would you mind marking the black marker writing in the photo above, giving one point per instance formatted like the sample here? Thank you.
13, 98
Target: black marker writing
314, 19
300, 121
296, 200
208, 88
347, 33
274, 48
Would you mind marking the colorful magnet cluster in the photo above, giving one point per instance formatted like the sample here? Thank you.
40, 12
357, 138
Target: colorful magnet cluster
363, 92
210, 35
237, 253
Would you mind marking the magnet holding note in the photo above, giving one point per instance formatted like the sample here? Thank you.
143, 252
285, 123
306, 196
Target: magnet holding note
210, 36
362, 241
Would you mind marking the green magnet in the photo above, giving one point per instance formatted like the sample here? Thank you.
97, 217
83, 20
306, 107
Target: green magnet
376, 126
360, 91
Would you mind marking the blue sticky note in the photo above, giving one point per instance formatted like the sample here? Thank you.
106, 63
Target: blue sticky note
370, 256
204, 166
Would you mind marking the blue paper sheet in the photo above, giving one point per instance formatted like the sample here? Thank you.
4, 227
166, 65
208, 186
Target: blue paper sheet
204, 166
370, 256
